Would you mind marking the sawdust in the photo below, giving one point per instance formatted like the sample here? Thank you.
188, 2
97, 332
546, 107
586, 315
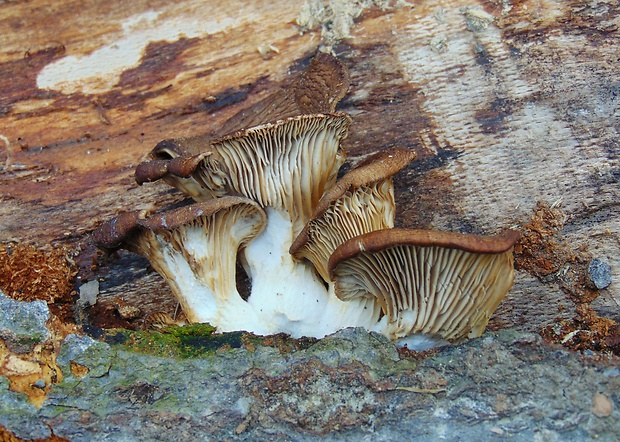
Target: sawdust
28, 274
586, 331
538, 251
541, 252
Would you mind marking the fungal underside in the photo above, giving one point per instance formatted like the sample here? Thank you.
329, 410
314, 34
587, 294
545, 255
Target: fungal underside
285, 166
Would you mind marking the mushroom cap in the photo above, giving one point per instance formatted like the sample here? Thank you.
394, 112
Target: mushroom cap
119, 231
173, 219
426, 281
378, 167
175, 168
360, 202
315, 91
111, 234
379, 240
286, 165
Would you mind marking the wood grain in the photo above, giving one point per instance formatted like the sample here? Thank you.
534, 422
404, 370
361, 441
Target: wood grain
506, 104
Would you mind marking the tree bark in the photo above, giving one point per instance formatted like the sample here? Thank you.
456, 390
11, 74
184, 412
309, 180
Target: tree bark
507, 104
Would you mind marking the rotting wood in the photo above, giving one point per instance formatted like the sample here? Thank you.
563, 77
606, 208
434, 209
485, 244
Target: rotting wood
524, 109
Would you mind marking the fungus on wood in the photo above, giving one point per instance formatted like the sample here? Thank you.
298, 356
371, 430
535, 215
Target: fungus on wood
195, 249
360, 202
435, 283
311, 245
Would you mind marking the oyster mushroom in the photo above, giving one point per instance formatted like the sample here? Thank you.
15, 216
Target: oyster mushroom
285, 167
435, 283
315, 91
195, 249
360, 202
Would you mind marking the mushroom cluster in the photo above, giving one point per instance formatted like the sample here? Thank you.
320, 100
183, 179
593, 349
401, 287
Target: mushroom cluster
321, 253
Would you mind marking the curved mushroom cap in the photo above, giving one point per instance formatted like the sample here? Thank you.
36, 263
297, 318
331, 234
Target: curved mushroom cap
176, 172
360, 202
110, 235
286, 165
426, 281
174, 162
118, 231
198, 213
193, 247
316, 91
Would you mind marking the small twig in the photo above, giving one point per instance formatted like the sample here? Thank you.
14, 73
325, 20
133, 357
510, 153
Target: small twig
421, 390
571, 335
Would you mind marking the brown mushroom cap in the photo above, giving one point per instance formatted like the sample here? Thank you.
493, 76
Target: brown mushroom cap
360, 202
426, 281
173, 219
119, 230
316, 91
111, 234
286, 165
174, 168
376, 168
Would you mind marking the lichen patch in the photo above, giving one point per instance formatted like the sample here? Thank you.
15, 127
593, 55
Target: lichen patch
32, 374
336, 18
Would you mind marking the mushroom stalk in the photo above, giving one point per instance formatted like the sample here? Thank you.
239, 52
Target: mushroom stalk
290, 296
206, 293
195, 249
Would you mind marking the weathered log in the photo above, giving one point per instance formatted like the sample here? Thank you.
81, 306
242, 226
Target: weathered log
506, 104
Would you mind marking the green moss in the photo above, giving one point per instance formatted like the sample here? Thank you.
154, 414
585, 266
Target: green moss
198, 340
190, 341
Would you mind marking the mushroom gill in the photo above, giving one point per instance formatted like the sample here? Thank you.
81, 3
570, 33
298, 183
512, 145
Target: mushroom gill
360, 202
286, 165
436, 283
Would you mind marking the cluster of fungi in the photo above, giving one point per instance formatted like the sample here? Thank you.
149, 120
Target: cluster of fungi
321, 253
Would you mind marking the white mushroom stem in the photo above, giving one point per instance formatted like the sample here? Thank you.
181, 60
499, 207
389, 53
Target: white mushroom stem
202, 264
195, 249
289, 296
